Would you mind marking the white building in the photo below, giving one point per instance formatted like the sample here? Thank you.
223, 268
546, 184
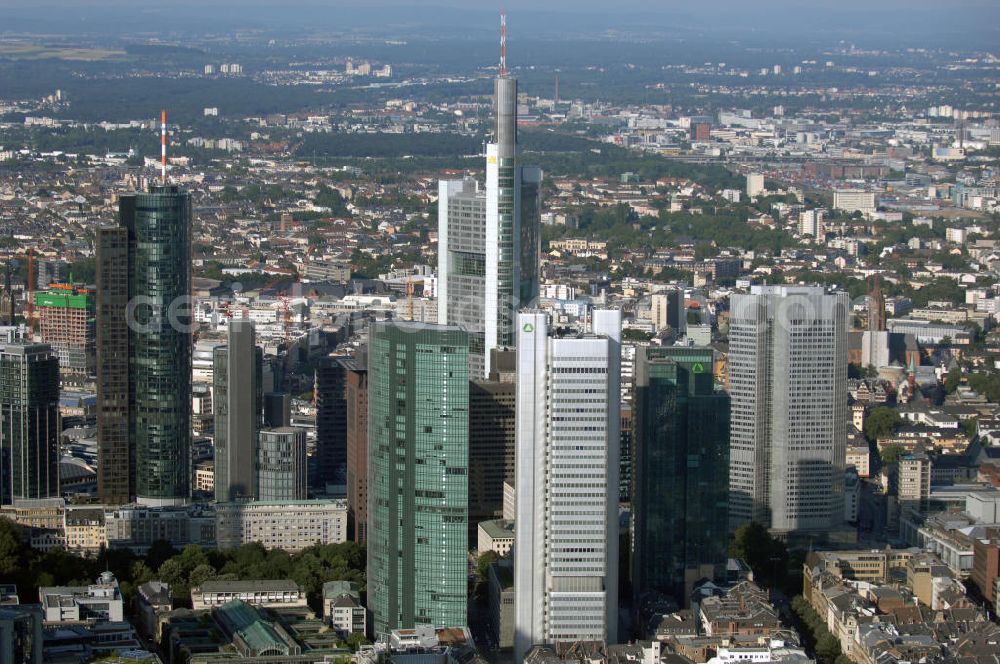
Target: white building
854, 201
260, 592
566, 558
811, 223
755, 184
291, 525
101, 601
788, 383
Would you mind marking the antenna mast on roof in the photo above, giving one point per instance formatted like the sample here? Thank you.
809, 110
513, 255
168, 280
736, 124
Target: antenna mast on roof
163, 146
503, 43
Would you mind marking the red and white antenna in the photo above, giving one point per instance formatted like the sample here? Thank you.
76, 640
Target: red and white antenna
503, 43
163, 146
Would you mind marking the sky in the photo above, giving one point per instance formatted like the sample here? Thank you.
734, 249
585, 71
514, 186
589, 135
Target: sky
954, 19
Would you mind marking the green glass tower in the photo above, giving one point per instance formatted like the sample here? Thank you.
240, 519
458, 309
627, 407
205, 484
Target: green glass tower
158, 223
29, 422
680, 485
418, 432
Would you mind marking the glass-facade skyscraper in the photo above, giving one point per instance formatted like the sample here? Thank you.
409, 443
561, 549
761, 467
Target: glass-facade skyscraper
29, 422
489, 240
144, 376
418, 434
680, 488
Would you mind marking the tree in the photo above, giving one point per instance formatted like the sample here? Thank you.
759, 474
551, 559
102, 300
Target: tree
890, 454
881, 422
766, 555
953, 380
355, 640
11, 549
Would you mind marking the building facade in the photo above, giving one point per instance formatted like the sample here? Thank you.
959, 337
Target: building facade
236, 376
566, 557
329, 474
287, 525
144, 328
67, 322
29, 422
489, 240
418, 433
681, 441
788, 385
282, 471
357, 452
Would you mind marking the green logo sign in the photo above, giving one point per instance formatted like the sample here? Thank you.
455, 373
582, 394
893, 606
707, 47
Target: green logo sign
697, 368
528, 327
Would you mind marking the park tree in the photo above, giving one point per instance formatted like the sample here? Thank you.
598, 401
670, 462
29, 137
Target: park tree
881, 422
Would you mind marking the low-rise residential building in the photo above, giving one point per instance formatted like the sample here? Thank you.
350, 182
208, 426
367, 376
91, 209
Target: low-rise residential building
343, 609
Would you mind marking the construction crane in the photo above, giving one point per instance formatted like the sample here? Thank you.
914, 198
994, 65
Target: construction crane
409, 297
30, 290
286, 318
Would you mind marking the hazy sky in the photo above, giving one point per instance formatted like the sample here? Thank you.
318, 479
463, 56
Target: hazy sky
949, 19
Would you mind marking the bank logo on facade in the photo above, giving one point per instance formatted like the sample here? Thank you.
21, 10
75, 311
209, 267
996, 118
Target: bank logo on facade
528, 327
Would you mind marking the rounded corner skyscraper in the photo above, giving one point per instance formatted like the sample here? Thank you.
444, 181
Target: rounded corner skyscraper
144, 394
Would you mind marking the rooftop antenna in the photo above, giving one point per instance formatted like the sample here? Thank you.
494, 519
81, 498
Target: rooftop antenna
163, 146
503, 43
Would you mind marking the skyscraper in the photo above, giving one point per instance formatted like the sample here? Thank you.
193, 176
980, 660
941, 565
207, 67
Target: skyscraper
489, 240
788, 384
329, 474
418, 424
491, 439
281, 464
29, 421
566, 558
237, 402
681, 486
144, 347
115, 409
357, 451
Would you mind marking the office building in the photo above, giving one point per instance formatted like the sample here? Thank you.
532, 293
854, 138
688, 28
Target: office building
329, 472
144, 348
489, 240
267, 593
99, 601
491, 439
236, 376
29, 422
681, 430
566, 555
854, 201
281, 464
788, 384
289, 525
668, 310
418, 440
755, 184
277, 409
357, 452
115, 453
67, 322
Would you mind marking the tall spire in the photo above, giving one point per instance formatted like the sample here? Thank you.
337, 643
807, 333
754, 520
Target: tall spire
503, 43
